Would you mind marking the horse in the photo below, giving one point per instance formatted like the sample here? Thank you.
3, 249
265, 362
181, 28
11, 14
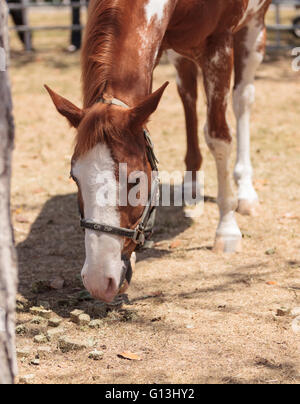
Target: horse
123, 44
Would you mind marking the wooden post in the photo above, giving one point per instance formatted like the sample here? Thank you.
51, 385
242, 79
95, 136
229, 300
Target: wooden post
278, 22
8, 262
27, 33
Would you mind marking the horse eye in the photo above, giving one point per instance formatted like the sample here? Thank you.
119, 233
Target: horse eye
74, 178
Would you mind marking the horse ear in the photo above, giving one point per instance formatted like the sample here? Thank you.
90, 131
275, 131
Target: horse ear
73, 114
141, 113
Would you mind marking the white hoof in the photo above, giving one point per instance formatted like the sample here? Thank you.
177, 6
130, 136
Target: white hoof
228, 244
249, 208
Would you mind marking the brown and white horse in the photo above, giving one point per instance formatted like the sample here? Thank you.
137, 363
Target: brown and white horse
123, 43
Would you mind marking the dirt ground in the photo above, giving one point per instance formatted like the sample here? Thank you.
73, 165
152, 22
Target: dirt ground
192, 316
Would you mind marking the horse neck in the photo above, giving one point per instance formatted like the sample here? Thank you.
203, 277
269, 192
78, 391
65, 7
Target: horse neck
136, 50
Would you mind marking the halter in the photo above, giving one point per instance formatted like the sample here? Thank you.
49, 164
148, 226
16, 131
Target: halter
144, 230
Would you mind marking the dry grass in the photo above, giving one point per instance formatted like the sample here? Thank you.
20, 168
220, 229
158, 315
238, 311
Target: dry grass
215, 319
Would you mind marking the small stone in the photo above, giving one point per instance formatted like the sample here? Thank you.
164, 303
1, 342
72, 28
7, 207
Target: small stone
34, 329
22, 303
55, 322
283, 312
66, 344
40, 339
21, 330
271, 251
296, 325
27, 379
55, 333
96, 355
295, 312
44, 352
57, 283
84, 319
23, 353
41, 312
38, 321
43, 303
96, 324
75, 315
20, 308
35, 362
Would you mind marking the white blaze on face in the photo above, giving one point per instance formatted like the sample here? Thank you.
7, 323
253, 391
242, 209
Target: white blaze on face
155, 9
103, 266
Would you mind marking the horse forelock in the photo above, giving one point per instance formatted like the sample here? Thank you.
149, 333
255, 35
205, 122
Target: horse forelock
101, 124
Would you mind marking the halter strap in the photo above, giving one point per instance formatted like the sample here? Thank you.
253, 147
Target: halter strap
113, 101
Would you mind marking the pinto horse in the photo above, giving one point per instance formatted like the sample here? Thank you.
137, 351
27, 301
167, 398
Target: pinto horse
123, 43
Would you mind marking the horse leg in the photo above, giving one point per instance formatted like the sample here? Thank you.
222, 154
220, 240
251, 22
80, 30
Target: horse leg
217, 66
187, 78
249, 46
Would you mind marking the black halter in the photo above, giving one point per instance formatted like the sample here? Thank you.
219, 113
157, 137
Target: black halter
144, 230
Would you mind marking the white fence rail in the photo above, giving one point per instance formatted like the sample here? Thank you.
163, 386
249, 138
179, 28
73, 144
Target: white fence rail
25, 5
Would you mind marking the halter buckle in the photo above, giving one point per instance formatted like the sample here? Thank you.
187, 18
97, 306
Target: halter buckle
139, 235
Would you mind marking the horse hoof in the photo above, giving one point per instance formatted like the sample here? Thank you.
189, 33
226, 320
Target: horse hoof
228, 245
247, 208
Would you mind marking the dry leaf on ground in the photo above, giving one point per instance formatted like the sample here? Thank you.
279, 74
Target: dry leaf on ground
129, 356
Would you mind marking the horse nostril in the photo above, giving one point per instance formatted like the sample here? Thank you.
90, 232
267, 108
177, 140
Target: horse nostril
111, 286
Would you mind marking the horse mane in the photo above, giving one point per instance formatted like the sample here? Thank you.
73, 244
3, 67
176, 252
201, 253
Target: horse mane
102, 27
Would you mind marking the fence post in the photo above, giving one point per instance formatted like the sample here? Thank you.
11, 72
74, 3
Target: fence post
278, 22
27, 33
8, 263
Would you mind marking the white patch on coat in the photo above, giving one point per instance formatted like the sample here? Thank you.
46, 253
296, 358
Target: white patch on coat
175, 59
243, 99
155, 9
217, 58
253, 7
103, 251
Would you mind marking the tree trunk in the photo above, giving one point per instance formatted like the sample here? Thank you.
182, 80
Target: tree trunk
8, 262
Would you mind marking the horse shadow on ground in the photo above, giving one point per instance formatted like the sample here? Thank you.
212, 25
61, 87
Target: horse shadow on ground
55, 248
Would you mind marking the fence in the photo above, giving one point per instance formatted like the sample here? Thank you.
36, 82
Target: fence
25, 5
278, 27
